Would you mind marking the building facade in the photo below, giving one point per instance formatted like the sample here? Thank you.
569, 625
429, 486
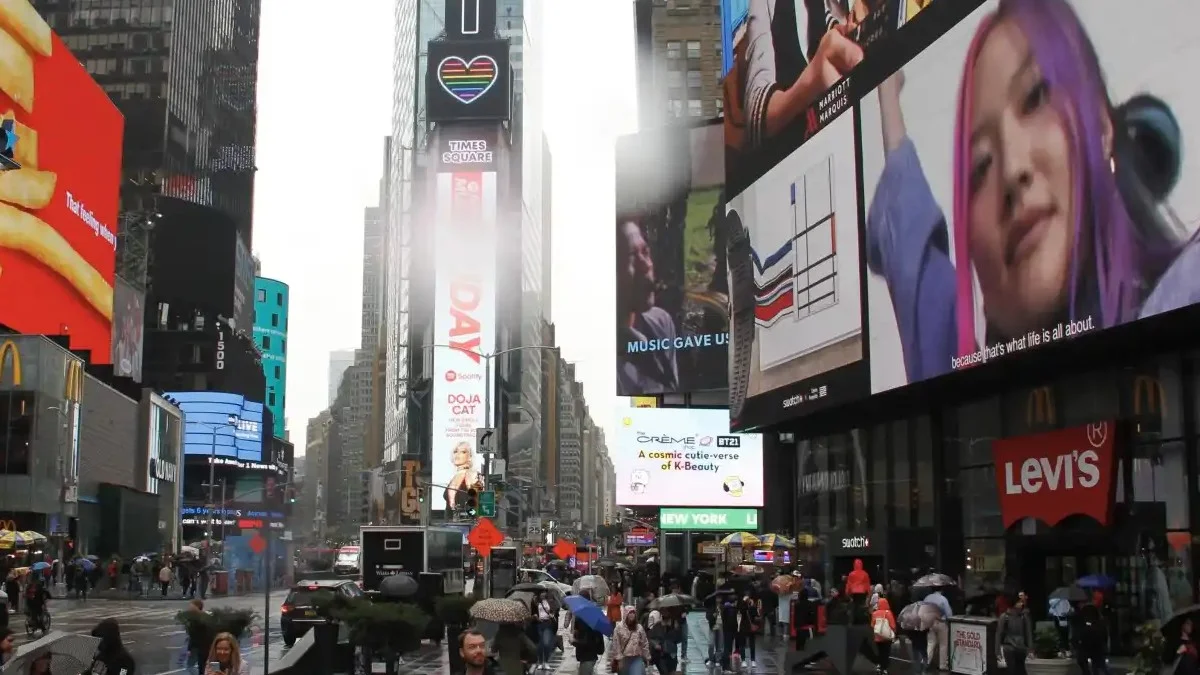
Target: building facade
270, 334
339, 361
680, 59
184, 74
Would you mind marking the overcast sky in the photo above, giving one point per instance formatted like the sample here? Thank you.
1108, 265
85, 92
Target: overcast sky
324, 108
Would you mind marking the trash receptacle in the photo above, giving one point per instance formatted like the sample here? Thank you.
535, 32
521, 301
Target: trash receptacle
220, 582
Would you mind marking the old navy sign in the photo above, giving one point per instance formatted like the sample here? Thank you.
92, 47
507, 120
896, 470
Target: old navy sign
164, 471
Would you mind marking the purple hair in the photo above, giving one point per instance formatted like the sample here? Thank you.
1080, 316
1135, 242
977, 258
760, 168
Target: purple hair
1067, 59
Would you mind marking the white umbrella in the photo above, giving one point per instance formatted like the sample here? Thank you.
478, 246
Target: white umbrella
69, 654
189, 550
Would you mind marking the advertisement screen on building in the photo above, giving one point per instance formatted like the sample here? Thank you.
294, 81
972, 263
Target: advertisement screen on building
207, 416
686, 457
243, 287
672, 284
468, 80
464, 327
129, 318
886, 211
58, 212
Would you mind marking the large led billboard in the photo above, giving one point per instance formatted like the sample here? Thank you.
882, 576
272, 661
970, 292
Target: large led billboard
464, 325
672, 284
208, 429
686, 457
988, 178
58, 212
468, 80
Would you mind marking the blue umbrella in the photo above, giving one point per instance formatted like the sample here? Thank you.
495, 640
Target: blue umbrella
1095, 581
86, 564
590, 614
39, 566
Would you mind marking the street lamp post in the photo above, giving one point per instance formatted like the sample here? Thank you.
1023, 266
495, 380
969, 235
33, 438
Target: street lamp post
232, 421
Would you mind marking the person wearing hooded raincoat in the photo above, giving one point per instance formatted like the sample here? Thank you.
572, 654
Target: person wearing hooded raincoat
884, 637
858, 589
111, 656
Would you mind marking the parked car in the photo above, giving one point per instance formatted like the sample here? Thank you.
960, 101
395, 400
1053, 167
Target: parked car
543, 577
298, 614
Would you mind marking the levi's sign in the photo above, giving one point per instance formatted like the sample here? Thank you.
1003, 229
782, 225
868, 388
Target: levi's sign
1055, 475
708, 519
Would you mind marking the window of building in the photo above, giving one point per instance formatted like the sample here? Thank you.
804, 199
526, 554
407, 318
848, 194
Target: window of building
719, 103
261, 295
695, 108
266, 342
278, 372
693, 49
283, 346
16, 431
279, 299
275, 320
675, 107
675, 78
271, 399
695, 79
674, 49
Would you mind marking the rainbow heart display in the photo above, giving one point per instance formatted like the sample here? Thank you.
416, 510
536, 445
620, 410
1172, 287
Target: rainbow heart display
467, 80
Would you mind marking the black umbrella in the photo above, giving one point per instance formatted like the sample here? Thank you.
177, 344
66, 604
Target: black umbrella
399, 586
557, 562
1170, 629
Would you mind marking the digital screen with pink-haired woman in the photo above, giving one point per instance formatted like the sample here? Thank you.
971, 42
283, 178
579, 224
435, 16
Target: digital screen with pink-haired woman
1045, 198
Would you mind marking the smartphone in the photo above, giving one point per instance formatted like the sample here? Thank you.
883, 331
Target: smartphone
214, 666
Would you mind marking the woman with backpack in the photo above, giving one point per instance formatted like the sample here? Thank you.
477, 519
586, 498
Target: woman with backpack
883, 625
749, 625
589, 645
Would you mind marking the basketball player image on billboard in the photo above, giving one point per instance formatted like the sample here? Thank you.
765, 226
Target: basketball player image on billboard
797, 288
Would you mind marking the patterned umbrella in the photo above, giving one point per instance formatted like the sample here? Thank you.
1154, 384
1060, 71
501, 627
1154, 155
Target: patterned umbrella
918, 616
69, 654
743, 539
784, 583
776, 541
935, 580
10, 539
499, 611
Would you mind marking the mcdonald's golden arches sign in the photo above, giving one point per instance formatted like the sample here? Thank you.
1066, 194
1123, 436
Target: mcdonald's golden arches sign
10, 525
73, 381
10, 347
1149, 396
1039, 408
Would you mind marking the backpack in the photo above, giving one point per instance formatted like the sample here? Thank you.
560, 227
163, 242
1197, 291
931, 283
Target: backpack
883, 629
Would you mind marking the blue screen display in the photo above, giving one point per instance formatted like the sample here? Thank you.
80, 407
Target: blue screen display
206, 422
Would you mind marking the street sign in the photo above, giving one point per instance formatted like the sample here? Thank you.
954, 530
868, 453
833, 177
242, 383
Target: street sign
564, 549
485, 440
487, 504
484, 536
258, 544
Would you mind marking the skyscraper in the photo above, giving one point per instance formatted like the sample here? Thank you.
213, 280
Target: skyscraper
184, 74
679, 59
339, 361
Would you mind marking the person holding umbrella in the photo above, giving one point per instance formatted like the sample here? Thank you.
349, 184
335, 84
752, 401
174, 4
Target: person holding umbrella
587, 631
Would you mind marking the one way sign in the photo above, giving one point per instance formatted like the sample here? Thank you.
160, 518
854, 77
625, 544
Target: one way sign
485, 441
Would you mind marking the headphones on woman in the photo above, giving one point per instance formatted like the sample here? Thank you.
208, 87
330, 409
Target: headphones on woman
1147, 161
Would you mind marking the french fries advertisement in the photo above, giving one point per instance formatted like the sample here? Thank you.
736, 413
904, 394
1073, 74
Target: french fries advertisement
58, 212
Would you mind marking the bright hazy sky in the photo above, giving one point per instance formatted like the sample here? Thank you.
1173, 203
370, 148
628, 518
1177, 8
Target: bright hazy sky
324, 108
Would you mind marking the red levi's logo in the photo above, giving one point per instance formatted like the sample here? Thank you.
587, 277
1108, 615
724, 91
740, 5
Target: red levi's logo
1057, 474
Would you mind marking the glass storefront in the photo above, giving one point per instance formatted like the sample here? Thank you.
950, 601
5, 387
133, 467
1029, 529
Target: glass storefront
924, 491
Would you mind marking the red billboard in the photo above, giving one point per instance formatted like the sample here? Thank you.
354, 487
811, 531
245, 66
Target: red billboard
58, 212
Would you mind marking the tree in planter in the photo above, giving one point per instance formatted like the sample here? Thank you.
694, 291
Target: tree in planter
203, 627
387, 628
455, 613
1149, 644
1047, 658
1046, 643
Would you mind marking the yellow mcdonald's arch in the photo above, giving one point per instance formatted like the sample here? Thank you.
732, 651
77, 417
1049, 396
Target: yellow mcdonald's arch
1039, 409
645, 402
5, 348
10, 525
1156, 395
73, 387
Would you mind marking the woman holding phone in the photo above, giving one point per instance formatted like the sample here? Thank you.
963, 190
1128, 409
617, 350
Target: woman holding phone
225, 658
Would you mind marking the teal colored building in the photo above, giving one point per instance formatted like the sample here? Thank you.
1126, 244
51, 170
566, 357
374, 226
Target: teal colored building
270, 334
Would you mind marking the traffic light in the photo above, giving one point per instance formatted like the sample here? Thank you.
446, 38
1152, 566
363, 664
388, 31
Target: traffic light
472, 501
291, 495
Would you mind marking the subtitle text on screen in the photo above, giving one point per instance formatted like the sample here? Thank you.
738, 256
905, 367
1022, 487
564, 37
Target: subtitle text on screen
1029, 340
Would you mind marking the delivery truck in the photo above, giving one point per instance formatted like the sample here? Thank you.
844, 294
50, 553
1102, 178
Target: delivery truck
416, 550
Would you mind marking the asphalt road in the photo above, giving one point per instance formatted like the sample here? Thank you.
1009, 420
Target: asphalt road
151, 633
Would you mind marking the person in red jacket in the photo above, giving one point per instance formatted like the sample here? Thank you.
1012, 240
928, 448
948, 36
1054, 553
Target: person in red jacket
858, 587
884, 636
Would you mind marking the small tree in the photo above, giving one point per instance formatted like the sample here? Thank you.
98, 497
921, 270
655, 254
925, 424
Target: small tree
455, 610
390, 628
1045, 643
1148, 643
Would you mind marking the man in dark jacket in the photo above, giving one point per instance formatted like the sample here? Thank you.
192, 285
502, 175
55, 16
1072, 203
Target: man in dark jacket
589, 647
1089, 632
